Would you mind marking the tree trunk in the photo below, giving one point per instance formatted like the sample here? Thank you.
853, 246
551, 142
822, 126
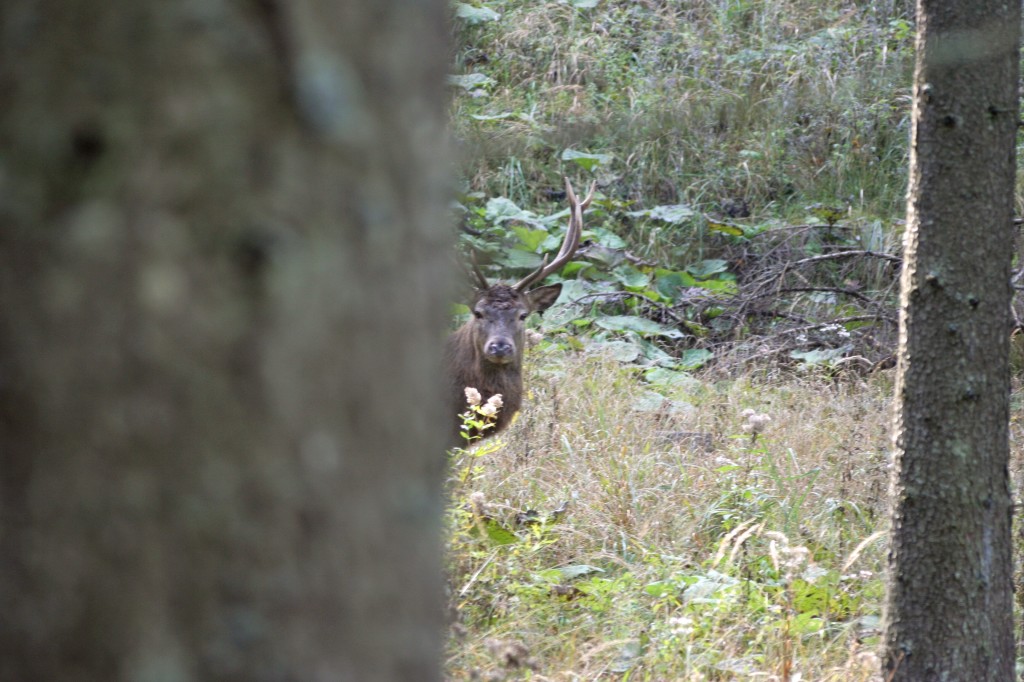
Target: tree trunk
949, 609
222, 287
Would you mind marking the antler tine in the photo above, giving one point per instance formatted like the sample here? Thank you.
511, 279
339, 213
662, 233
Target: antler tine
569, 244
481, 279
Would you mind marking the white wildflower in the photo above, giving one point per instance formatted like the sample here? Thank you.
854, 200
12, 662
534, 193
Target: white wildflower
755, 422
478, 503
472, 396
681, 626
789, 559
495, 400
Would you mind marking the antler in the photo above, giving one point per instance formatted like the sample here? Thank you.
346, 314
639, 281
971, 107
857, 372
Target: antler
481, 279
474, 272
569, 245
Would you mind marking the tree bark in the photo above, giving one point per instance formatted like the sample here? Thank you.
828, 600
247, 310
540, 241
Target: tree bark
949, 607
222, 291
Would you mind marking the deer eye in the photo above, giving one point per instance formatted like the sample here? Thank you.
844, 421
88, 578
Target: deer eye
478, 315
523, 316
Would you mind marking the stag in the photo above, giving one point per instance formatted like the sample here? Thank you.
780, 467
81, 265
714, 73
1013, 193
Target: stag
486, 353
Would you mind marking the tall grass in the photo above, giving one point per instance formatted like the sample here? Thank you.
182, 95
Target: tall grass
778, 103
698, 541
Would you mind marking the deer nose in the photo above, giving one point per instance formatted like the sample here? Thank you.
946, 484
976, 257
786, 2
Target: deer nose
499, 348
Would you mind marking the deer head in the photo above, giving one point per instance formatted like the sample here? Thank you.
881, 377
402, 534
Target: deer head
499, 310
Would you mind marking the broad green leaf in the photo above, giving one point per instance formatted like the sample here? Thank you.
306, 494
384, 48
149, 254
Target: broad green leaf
707, 268
660, 588
652, 294
470, 81
498, 534
722, 286
807, 624
608, 258
558, 316
621, 351
586, 161
695, 358
574, 289
548, 575
530, 239
502, 209
662, 377
552, 242
607, 238
639, 325
475, 15
517, 259
656, 356
671, 213
670, 284
734, 230
630, 277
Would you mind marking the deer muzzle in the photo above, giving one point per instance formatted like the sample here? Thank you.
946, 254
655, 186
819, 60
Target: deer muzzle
500, 351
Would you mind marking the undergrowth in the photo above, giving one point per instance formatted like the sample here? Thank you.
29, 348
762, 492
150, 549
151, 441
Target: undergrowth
737, 146
731, 531
724, 103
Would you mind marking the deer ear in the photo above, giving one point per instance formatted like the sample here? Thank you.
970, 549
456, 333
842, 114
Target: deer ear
541, 298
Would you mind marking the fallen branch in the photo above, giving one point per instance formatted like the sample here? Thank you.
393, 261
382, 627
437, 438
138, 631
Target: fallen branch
831, 290
849, 254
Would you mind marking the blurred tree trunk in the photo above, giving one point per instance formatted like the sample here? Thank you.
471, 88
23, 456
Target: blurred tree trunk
222, 286
949, 610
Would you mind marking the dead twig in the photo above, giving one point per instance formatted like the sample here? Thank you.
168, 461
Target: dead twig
848, 254
831, 290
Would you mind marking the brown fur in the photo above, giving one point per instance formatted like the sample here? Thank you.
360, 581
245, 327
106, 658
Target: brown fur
499, 315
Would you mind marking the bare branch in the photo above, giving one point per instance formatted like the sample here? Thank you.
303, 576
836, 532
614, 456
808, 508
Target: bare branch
849, 254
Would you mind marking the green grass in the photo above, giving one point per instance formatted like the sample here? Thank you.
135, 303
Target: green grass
776, 103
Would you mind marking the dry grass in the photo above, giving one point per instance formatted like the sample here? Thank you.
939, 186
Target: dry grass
723, 553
